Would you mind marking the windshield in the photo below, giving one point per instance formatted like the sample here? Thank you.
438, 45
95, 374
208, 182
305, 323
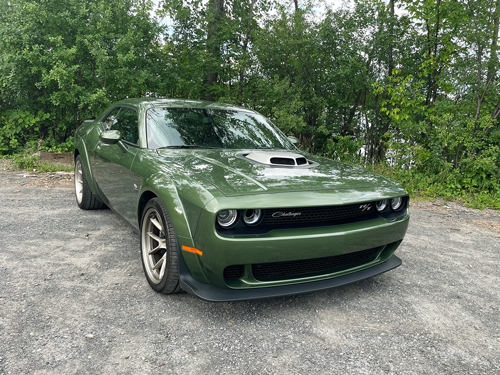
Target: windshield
211, 128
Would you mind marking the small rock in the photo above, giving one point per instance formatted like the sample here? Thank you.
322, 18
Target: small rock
89, 336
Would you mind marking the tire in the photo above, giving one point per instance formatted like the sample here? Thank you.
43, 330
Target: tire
159, 248
84, 197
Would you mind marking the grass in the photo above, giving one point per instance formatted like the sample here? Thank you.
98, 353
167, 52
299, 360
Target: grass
34, 164
422, 186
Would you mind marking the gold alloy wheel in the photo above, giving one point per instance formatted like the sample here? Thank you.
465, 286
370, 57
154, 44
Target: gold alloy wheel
79, 181
154, 246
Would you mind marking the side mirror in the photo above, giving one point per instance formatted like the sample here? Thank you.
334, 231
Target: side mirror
292, 139
111, 137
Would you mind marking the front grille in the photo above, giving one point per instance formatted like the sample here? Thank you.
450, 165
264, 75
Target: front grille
317, 214
283, 161
308, 217
310, 267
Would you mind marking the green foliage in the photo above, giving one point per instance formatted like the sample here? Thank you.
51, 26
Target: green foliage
33, 163
447, 184
345, 149
18, 127
417, 89
72, 59
58, 147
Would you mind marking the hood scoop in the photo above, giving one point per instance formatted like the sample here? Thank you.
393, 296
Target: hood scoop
277, 159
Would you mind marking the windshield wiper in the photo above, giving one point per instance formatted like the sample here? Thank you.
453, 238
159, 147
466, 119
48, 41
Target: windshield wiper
183, 146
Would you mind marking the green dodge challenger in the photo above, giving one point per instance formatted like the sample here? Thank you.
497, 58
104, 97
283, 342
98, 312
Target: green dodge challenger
228, 208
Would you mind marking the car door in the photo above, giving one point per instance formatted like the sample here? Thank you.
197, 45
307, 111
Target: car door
112, 162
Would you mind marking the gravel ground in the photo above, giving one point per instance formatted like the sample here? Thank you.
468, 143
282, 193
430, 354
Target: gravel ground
74, 300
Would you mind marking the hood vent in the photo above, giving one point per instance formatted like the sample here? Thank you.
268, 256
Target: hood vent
283, 161
278, 159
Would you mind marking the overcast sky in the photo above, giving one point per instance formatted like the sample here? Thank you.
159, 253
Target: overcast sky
322, 6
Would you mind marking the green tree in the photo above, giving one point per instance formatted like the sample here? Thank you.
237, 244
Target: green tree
70, 59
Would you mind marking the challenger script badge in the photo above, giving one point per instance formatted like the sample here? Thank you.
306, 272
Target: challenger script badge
286, 214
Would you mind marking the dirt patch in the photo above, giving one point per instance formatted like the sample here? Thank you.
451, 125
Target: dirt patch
6, 165
489, 219
490, 224
41, 179
64, 158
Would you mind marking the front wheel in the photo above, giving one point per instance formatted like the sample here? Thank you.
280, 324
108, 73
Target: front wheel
84, 197
159, 248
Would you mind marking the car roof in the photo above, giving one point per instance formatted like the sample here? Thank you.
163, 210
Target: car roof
178, 103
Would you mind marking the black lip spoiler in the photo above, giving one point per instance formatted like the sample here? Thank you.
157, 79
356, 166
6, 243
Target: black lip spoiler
214, 294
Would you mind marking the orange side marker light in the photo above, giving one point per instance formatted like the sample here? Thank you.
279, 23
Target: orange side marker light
192, 250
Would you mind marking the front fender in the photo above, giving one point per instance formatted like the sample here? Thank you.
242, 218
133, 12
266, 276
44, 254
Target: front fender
81, 147
167, 192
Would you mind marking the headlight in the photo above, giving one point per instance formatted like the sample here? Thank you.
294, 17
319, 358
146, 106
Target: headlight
252, 217
381, 205
396, 203
227, 218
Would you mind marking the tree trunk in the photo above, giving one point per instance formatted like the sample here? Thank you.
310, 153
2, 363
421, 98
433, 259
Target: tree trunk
381, 147
213, 46
436, 43
493, 62
391, 31
245, 49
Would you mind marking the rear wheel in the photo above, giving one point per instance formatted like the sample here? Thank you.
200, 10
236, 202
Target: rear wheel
84, 197
159, 248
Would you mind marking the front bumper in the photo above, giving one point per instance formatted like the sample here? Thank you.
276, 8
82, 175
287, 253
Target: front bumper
204, 275
214, 294
290, 245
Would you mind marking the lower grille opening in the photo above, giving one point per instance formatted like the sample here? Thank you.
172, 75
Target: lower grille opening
233, 272
311, 267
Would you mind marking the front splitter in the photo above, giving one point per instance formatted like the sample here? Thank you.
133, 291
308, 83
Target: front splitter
214, 294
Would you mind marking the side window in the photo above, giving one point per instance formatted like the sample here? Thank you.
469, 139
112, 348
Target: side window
109, 121
124, 120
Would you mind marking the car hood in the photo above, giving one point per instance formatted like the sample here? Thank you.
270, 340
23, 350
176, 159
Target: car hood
235, 175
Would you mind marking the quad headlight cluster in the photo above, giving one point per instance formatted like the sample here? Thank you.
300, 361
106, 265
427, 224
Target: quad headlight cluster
395, 203
229, 218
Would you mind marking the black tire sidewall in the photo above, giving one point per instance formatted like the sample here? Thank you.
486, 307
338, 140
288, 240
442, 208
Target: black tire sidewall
169, 282
89, 201
85, 203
